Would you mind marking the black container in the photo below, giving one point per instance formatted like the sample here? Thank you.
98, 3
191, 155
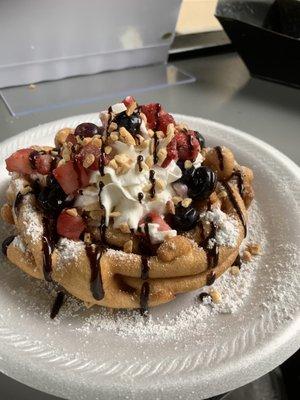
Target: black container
268, 54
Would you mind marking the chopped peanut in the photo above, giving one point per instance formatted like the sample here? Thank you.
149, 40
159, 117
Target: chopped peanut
246, 256
128, 246
88, 160
254, 249
215, 296
72, 211
186, 202
234, 270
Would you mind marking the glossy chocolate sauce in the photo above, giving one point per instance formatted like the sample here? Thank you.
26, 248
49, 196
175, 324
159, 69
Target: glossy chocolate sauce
58, 302
139, 160
94, 253
144, 298
140, 197
203, 295
235, 205
49, 239
6, 243
212, 253
102, 226
152, 181
240, 181
210, 279
18, 201
238, 261
155, 157
102, 159
220, 157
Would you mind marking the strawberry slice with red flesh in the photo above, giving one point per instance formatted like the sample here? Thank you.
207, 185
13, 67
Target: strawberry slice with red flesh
128, 101
83, 175
20, 162
157, 118
71, 138
155, 218
43, 163
172, 153
90, 149
151, 111
188, 146
70, 226
164, 119
66, 176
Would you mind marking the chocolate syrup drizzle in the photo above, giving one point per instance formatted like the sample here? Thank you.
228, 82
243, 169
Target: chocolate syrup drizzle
240, 181
102, 226
212, 253
145, 258
139, 160
144, 298
94, 253
145, 290
238, 262
202, 295
140, 197
6, 243
102, 159
220, 157
18, 201
155, 157
152, 181
49, 239
58, 302
235, 205
210, 279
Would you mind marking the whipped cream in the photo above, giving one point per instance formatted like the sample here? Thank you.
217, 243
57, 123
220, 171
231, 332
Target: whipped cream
120, 192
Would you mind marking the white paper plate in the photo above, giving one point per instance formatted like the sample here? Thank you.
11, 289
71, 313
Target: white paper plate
177, 356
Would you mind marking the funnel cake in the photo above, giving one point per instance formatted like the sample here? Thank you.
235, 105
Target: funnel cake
129, 213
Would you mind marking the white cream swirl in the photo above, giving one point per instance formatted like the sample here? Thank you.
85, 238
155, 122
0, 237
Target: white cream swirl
120, 191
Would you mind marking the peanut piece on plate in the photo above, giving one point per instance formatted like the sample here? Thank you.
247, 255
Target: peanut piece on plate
254, 249
215, 296
246, 256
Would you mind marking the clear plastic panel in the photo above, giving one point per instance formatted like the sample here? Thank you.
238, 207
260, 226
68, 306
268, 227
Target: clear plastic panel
24, 100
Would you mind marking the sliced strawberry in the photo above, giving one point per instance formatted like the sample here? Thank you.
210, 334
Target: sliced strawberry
128, 101
19, 162
84, 153
83, 175
43, 163
70, 226
188, 146
71, 138
172, 153
155, 218
67, 177
151, 111
164, 119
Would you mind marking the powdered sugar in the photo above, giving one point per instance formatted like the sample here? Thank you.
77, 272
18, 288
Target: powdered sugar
31, 220
18, 242
227, 227
234, 290
69, 250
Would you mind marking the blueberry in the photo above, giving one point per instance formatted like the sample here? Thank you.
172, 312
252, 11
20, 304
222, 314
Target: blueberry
131, 122
201, 182
52, 198
87, 129
184, 219
200, 139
